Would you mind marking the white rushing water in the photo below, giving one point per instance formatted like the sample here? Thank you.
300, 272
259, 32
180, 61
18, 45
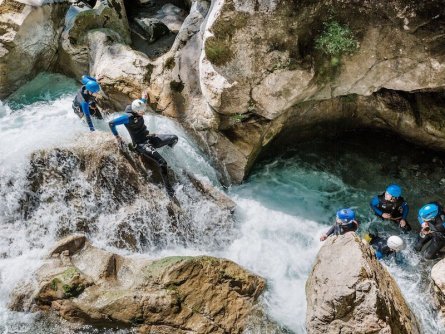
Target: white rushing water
282, 208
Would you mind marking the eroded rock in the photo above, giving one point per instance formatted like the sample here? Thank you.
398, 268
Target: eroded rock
175, 294
349, 291
91, 187
438, 286
28, 41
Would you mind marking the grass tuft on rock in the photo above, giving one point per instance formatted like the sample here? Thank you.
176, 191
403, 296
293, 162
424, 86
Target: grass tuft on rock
336, 39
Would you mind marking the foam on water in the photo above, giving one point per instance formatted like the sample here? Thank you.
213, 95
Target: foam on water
282, 208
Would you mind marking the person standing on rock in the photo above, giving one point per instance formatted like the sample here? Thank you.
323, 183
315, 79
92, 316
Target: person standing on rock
344, 222
144, 142
432, 220
390, 205
84, 103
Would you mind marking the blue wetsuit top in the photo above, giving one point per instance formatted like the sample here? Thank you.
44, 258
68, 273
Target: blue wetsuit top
125, 119
398, 209
84, 101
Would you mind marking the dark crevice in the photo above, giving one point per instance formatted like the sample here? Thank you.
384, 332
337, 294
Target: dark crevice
155, 24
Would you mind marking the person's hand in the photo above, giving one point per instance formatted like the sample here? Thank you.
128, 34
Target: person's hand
145, 94
402, 222
323, 237
386, 216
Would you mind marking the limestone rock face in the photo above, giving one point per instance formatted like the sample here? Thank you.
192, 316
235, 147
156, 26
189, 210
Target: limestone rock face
261, 80
349, 291
171, 295
438, 285
74, 57
94, 188
28, 41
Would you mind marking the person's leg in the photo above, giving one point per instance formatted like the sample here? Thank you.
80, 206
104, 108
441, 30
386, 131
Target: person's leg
161, 140
437, 242
422, 242
149, 152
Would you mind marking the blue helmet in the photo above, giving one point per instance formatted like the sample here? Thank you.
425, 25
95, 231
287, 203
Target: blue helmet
92, 86
394, 190
86, 78
346, 215
428, 211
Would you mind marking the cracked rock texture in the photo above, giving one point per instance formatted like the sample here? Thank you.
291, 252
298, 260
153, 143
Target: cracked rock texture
171, 295
349, 291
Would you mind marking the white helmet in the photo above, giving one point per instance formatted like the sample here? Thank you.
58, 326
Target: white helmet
396, 243
138, 106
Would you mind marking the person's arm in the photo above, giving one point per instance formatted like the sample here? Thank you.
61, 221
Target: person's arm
374, 202
124, 119
324, 236
86, 112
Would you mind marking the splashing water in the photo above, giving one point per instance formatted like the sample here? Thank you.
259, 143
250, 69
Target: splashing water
282, 208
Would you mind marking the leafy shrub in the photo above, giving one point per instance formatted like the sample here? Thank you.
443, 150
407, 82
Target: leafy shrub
336, 39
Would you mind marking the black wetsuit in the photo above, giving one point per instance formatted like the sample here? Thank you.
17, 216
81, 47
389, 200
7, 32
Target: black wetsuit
380, 246
85, 104
398, 209
145, 143
437, 237
340, 229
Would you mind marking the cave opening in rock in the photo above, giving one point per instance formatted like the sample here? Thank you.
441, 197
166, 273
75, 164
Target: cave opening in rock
154, 24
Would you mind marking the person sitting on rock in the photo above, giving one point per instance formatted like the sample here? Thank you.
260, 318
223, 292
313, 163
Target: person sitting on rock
344, 222
384, 247
432, 220
144, 142
85, 102
391, 205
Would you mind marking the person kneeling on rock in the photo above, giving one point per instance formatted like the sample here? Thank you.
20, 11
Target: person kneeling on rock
144, 142
384, 247
345, 222
432, 220
84, 103
392, 206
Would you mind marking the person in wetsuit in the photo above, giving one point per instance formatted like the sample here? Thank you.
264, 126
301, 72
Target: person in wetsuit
84, 103
144, 142
384, 247
432, 220
344, 222
392, 206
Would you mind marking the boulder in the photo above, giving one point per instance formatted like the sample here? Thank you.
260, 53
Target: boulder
74, 53
93, 187
170, 295
438, 286
28, 41
349, 291
153, 28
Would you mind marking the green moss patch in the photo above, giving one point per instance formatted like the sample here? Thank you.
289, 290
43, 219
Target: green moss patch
336, 39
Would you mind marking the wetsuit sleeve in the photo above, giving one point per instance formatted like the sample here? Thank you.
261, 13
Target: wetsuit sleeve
124, 119
374, 202
86, 111
330, 231
405, 210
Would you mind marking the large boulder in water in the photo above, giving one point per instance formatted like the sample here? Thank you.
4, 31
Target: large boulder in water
28, 41
91, 186
438, 286
171, 295
349, 291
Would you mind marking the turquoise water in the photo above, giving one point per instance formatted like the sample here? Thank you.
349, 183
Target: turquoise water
283, 207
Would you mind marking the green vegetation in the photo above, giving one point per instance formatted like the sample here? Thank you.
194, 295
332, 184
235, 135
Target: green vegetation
238, 118
336, 40
218, 50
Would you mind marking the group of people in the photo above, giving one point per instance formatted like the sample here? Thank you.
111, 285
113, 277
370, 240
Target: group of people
144, 142
391, 206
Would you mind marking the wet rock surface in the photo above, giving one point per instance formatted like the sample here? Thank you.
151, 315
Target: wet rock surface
349, 291
92, 187
28, 41
83, 283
